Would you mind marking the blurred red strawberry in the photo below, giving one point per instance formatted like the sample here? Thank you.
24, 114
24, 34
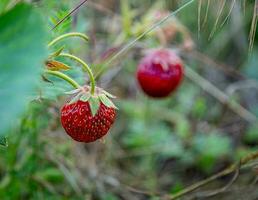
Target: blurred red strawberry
160, 72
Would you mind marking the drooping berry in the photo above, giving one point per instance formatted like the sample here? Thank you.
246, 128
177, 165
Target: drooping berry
160, 72
85, 125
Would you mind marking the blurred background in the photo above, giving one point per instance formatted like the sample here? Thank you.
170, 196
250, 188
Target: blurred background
156, 147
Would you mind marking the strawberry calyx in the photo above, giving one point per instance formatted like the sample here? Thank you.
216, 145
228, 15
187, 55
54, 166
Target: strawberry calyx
99, 96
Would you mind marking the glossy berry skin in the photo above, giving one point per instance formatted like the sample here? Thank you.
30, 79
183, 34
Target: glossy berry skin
160, 72
78, 122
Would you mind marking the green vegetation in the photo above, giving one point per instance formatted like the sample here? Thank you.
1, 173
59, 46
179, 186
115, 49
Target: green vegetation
156, 147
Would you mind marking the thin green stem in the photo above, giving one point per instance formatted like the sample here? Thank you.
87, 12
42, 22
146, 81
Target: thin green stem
67, 35
85, 68
64, 77
133, 42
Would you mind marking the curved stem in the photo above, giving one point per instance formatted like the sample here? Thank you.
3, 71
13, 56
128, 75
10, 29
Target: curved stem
85, 68
229, 170
64, 77
61, 37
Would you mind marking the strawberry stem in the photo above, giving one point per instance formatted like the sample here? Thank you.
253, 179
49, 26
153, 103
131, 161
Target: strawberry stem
67, 35
64, 77
85, 68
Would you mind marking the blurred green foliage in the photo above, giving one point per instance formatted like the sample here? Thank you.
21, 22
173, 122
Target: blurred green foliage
24, 170
155, 145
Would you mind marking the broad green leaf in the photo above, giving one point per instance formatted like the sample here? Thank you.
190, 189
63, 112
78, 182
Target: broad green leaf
22, 52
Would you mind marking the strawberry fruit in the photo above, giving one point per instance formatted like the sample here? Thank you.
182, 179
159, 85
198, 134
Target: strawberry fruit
87, 118
160, 72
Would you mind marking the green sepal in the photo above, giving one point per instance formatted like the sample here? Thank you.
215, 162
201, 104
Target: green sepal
85, 97
106, 101
73, 91
94, 105
75, 98
57, 52
3, 141
109, 95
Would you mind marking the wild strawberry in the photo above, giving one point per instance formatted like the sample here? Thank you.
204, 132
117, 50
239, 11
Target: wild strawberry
88, 118
160, 72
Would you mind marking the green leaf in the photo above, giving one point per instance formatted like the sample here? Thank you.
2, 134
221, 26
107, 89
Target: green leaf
22, 52
94, 105
3, 141
106, 101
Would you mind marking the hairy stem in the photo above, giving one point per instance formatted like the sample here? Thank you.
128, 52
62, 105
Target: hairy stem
64, 77
67, 35
85, 68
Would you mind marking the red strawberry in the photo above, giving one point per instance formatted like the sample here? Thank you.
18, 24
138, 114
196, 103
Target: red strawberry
80, 122
160, 72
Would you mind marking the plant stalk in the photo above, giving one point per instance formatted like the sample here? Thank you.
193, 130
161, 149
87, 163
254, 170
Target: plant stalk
64, 77
67, 35
85, 68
